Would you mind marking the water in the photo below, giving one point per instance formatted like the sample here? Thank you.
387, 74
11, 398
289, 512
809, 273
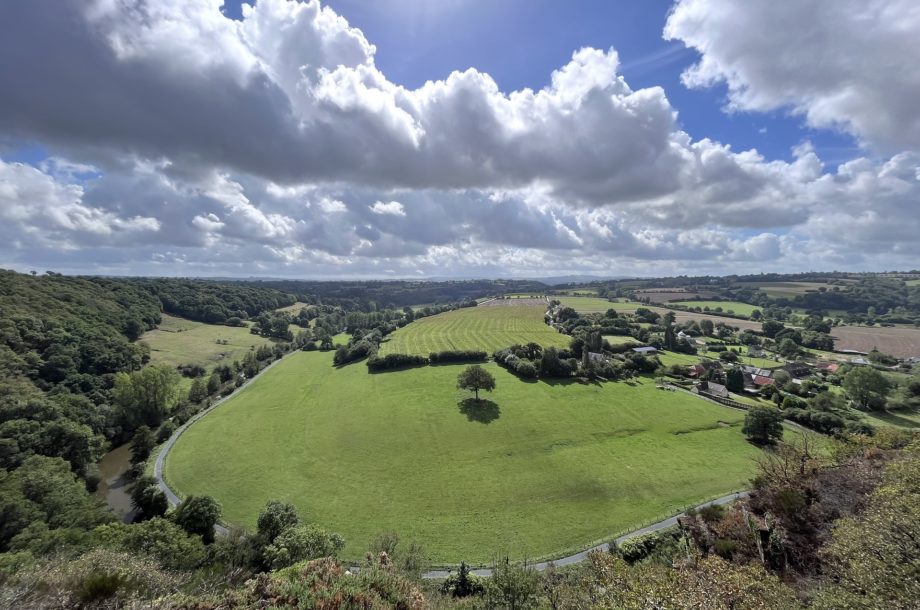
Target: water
115, 486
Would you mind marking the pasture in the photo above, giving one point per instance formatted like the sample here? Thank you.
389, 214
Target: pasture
741, 309
475, 328
912, 283
537, 470
897, 341
179, 341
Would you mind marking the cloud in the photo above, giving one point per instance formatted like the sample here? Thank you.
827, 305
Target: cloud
185, 142
393, 208
846, 64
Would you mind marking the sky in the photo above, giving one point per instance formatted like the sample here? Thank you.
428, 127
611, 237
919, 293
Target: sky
459, 138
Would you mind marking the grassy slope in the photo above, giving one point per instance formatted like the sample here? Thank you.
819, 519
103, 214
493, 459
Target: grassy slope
742, 309
178, 341
485, 328
562, 466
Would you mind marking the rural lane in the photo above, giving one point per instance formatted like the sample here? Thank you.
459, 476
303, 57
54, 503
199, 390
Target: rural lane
174, 499
579, 557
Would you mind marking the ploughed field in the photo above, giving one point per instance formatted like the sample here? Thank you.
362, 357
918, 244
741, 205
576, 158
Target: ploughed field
897, 341
539, 470
486, 328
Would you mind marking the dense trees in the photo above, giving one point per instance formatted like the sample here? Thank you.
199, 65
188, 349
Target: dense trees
475, 378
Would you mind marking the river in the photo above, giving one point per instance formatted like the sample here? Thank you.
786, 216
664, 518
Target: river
115, 485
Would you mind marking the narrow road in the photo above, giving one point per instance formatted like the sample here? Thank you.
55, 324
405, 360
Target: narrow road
579, 557
174, 499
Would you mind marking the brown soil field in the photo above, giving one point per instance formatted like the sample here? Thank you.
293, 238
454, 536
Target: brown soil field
900, 342
663, 296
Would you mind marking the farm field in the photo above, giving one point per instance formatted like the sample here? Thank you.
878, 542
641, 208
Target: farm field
664, 296
784, 289
293, 309
179, 341
621, 339
683, 316
545, 468
742, 309
913, 282
597, 305
900, 342
483, 328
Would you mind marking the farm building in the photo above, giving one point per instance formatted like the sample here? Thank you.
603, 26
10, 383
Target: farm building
797, 369
596, 358
711, 388
645, 350
698, 370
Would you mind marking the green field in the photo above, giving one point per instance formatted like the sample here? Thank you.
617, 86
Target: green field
546, 468
741, 309
179, 341
913, 282
485, 328
596, 305
621, 339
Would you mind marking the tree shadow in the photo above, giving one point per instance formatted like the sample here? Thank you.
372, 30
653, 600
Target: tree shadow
483, 410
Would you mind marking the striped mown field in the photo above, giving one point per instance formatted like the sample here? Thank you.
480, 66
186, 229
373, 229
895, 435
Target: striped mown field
474, 328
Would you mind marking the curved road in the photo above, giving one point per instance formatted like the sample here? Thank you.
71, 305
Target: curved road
433, 574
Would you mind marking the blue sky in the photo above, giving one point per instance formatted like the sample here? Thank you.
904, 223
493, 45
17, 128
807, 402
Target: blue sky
467, 138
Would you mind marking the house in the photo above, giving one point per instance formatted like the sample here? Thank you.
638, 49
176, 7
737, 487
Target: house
698, 370
711, 389
761, 381
754, 370
828, 367
595, 358
797, 369
645, 351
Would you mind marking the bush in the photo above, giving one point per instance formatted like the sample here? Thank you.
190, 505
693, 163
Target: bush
191, 370
457, 356
641, 547
395, 361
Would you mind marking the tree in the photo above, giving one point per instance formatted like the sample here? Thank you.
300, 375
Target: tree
763, 425
475, 378
771, 327
143, 397
788, 348
706, 326
198, 391
734, 380
275, 518
863, 383
142, 444
198, 515
302, 542
147, 498
512, 587
213, 383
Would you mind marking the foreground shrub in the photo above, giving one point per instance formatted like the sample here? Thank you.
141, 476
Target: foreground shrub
302, 542
99, 578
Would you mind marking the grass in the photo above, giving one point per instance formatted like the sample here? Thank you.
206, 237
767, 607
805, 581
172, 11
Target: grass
538, 470
913, 282
474, 328
621, 339
179, 341
596, 305
741, 309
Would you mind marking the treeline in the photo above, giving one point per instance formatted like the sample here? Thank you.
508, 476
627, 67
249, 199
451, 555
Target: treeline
214, 302
369, 296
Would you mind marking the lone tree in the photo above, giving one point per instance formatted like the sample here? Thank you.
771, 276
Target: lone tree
198, 515
864, 383
476, 378
763, 425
